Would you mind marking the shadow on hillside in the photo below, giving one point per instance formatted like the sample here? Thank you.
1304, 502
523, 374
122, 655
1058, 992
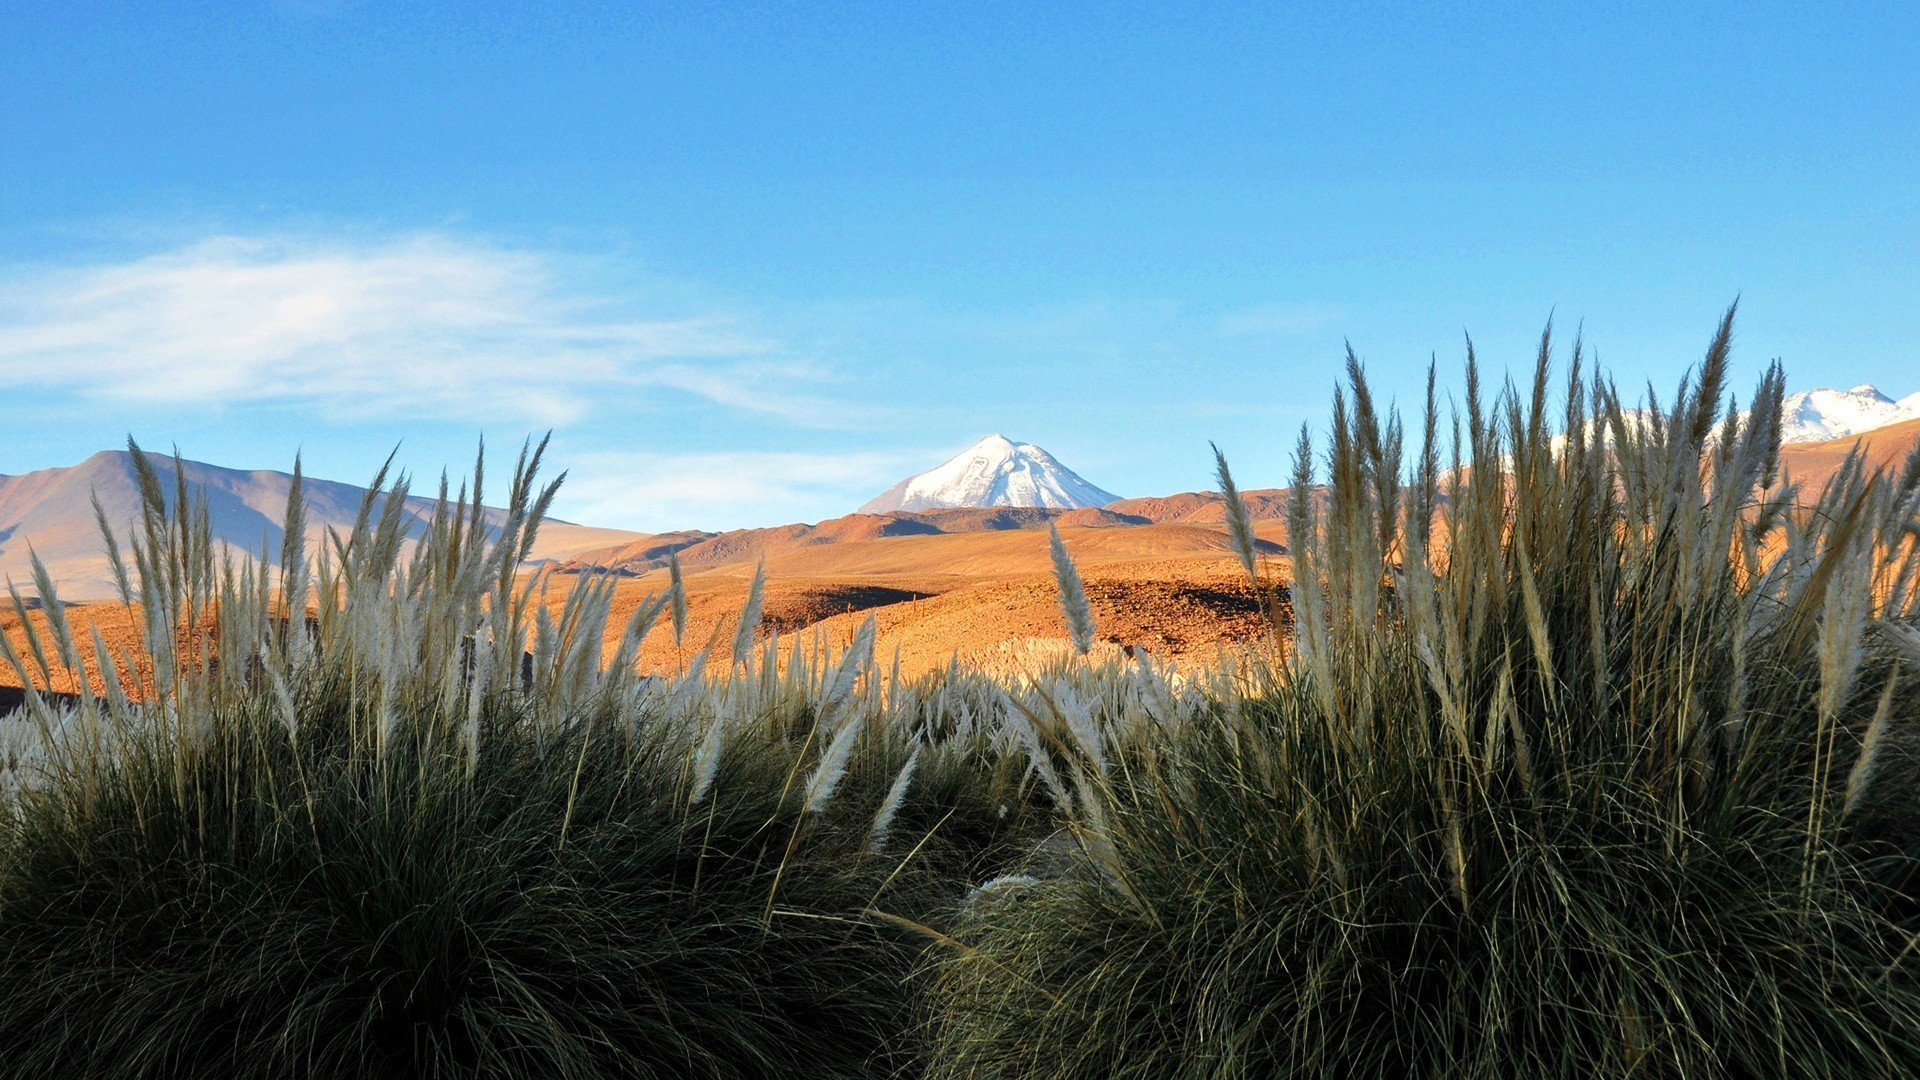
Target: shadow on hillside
787, 611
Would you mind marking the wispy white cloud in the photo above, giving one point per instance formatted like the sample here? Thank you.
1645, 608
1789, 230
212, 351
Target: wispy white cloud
1279, 319
654, 491
770, 388
425, 324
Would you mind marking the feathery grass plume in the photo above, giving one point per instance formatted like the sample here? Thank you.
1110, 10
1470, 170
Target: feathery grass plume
749, 623
1080, 723
1073, 594
1860, 777
706, 760
1905, 638
639, 624
832, 767
692, 684
293, 554
677, 589
35, 703
480, 649
123, 583
57, 627
1027, 737
840, 679
34, 646
109, 668
890, 806
1239, 524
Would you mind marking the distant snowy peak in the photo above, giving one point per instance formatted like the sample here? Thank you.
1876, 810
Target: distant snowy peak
1819, 415
996, 471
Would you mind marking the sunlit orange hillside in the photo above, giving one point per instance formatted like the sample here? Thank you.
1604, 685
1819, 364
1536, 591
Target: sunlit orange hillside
1175, 590
1811, 465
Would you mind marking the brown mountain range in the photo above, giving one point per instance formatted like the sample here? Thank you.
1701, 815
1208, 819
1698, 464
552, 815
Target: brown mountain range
702, 549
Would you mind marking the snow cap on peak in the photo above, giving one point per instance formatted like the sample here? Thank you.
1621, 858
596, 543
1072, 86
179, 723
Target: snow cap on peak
1822, 414
996, 471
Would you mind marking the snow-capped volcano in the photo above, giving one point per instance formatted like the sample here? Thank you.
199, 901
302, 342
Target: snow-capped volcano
996, 471
1818, 415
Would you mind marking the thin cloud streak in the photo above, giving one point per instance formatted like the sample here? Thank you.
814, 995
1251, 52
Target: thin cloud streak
1280, 319
771, 389
725, 489
398, 326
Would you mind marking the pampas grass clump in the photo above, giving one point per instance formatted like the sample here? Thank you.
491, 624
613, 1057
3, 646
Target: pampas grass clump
385, 813
1592, 755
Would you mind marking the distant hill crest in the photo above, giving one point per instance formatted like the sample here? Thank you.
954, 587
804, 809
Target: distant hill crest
50, 512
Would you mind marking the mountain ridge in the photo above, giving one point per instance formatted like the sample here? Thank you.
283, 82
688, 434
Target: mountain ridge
49, 512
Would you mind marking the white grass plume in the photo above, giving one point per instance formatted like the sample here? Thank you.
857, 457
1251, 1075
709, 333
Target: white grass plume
833, 766
706, 759
1080, 723
1027, 736
677, 588
839, 683
483, 649
693, 683
897, 794
750, 617
638, 625
1861, 776
1073, 594
1905, 638
1239, 524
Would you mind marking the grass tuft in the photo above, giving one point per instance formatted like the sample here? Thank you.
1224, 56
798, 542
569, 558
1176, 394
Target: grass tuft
1575, 767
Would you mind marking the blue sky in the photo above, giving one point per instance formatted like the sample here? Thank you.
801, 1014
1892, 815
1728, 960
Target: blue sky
753, 265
